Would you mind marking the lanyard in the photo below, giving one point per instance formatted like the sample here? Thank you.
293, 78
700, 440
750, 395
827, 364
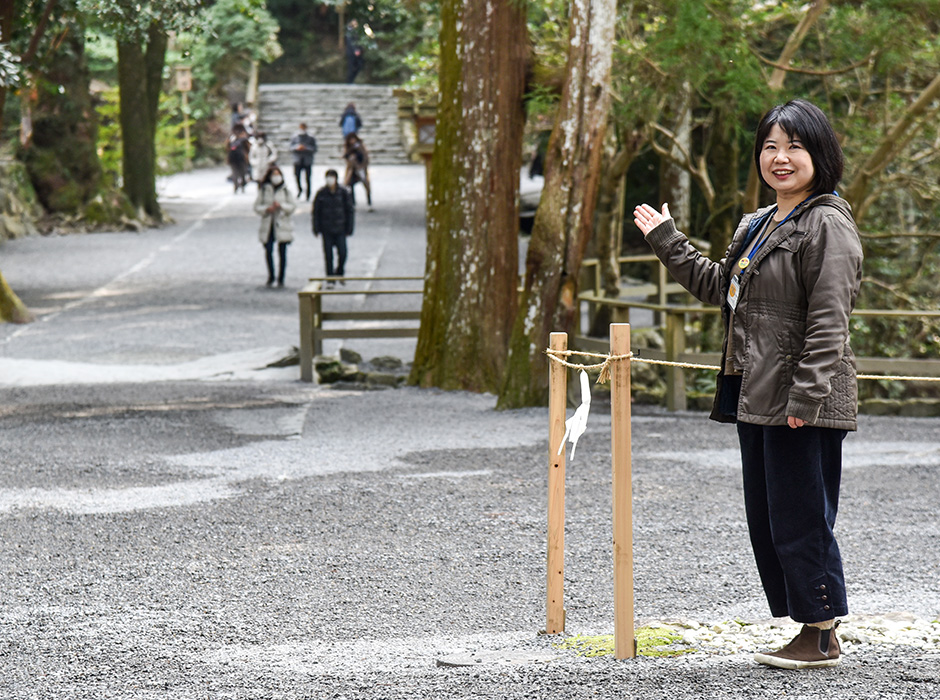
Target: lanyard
746, 260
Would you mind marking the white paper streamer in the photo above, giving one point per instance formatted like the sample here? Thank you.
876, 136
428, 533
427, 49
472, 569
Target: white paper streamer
576, 425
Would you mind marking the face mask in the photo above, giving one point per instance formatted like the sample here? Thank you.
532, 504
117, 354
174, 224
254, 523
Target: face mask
277, 180
331, 181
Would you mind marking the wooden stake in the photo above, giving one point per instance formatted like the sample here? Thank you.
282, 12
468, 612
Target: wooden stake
624, 639
557, 401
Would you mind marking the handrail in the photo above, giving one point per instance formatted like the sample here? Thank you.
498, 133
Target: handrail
674, 330
312, 316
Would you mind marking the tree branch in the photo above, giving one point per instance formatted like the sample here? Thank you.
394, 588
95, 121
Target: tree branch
888, 236
30, 52
782, 69
698, 172
793, 43
896, 138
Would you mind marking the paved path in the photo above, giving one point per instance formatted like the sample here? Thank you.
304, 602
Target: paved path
177, 523
195, 290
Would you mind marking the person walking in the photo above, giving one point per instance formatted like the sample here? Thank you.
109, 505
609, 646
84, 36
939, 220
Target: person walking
237, 156
357, 167
262, 155
334, 220
303, 147
350, 121
787, 285
354, 56
275, 204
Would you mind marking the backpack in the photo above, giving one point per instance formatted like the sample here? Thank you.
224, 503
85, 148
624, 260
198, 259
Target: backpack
349, 124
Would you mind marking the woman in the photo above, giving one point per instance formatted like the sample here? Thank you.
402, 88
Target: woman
238, 148
275, 204
350, 121
357, 167
262, 155
787, 286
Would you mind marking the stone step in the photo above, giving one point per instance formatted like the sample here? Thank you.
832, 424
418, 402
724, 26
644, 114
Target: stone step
281, 107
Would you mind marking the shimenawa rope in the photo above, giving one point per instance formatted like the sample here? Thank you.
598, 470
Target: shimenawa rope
604, 367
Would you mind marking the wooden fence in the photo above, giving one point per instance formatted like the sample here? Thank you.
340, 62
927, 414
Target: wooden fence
313, 316
676, 318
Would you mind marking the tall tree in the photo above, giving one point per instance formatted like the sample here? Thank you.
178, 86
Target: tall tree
142, 31
565, 217
472, 254
140, 78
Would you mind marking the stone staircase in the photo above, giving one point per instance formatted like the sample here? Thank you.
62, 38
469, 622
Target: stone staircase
282, 107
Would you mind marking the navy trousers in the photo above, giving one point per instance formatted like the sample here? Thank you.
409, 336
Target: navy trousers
338, 242
269, 258
791, 495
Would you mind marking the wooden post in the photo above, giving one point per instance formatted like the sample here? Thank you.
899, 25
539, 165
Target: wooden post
305, 302
557, 401
624, 639
317, 314
675, 376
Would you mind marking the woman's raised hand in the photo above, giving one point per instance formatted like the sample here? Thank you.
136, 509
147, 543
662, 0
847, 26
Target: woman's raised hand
646, 218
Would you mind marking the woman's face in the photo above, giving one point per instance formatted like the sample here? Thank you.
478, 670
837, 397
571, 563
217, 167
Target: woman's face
786, 165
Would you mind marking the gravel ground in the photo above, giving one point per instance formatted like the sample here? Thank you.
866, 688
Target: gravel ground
178, 523
233, 540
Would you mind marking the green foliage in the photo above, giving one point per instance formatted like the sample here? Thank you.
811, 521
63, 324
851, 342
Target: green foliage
422, 60
109, 137
389, 31
170, 144
9, 68
132, 19
230, 34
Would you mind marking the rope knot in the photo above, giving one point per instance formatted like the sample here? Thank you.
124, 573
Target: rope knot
604, 367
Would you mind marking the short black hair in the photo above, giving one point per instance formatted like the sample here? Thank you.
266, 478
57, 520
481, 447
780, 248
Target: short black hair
273, 168
803, 119
331, 172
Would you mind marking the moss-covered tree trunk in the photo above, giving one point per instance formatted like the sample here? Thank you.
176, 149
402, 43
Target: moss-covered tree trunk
11, 308
140, 69
565, 217
62, 157
471, 272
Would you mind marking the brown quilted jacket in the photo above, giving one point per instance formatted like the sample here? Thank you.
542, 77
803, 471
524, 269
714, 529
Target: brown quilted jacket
791, 325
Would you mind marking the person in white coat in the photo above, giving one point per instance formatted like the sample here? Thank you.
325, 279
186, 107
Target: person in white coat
275, 204
261, 156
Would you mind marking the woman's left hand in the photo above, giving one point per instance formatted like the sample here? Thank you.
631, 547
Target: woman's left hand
795, 422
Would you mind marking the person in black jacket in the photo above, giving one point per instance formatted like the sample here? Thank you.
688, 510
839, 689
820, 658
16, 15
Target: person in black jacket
354, 57
303, 147
334, 219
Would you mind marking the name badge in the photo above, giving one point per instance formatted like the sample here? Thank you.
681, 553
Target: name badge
733, 292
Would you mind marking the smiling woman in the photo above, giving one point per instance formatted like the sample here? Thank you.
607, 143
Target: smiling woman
787, 286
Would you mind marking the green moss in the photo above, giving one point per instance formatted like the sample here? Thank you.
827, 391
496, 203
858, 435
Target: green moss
650, 641
108, 209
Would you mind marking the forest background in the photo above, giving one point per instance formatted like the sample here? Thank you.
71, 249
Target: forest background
643, 101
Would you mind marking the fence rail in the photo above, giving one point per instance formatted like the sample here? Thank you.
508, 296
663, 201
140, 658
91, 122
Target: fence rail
313, 315
676, 316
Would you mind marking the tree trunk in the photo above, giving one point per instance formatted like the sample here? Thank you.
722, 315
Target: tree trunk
65, 179
565, 217
675, 182
471, 277
11, 308
610, 219
139, 79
